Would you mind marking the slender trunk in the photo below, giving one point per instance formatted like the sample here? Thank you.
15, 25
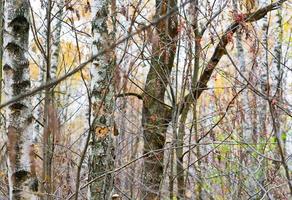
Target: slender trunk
195, 28
179, 156
276, 92
262, 104
41, 35
1, 48
48, 109
57, 11
247, 122
51, 123
264, 73
288, 95
102, 91
23, 183
3, 139
56, 35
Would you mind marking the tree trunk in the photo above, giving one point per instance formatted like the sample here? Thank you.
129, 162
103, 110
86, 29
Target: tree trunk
56, 35
262, 104
23, 183
246, 130
277, 93
155, 114
102, 91
1, 48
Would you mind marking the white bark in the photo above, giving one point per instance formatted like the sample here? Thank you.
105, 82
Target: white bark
101, 148
277, 72
41, 73
19, 125
57, 10
263, 79
288, 145
248, 167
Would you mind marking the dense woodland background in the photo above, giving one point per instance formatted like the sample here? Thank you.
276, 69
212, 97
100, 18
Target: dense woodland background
145, 99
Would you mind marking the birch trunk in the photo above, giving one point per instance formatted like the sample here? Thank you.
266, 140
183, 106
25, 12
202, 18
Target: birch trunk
56, 35
51, 123
262, 104
247, 167
264, 62
41, 74
23, 183
277, 93
1, 48
3, 139
101, 149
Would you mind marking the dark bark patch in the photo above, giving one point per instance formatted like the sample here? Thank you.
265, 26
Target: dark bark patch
19, 25
18, 88
20, 176
17, 106
7, 67
13, 49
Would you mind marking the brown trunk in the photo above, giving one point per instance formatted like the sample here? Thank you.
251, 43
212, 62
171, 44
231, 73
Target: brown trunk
156, 115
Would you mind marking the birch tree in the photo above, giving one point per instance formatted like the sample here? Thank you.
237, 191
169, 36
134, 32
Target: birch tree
57, 9
1, 47
23, 183
191, 81
102, 95
276, 93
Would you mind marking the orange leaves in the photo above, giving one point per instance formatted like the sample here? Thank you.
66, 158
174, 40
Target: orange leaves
101, 132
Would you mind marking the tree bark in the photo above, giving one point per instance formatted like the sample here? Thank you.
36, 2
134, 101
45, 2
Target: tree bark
56, 35
23, 183
154, 112
276, 92
1, 48
156, 115
102, 91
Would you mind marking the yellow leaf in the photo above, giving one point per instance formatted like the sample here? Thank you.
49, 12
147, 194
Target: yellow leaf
101, 132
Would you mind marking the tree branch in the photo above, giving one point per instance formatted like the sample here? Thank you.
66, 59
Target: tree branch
129, 94
220, 49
